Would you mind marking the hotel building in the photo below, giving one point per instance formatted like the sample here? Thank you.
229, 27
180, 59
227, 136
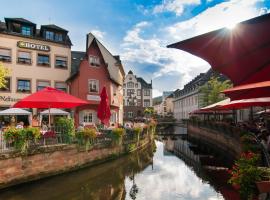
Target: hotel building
137, 96
91, 71
36, 58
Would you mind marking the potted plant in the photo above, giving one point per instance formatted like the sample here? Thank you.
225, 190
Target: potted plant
86, 136
245, 173
264, 185
117, 135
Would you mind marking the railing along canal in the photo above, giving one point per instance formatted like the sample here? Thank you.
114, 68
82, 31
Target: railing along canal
57, 136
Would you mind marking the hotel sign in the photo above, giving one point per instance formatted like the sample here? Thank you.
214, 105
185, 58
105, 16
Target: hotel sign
8, 99
29, 45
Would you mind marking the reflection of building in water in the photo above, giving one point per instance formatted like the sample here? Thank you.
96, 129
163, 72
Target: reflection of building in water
168, 146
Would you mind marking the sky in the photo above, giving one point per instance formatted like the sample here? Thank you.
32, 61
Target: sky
140, 30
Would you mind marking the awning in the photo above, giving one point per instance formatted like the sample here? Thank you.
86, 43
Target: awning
15, 111
248, 91
242, 54
245, 103
215, 106
54, 111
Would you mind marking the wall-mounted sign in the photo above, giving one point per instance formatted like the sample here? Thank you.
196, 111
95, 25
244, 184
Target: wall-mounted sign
8, 99
93, 98
29, 45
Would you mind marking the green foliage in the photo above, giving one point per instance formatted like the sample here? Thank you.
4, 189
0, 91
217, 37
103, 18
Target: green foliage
117, 135
137, 130
245, 173
67, 124
149, 111
211, 91
21, 137
3, 74
85, 137
131, 147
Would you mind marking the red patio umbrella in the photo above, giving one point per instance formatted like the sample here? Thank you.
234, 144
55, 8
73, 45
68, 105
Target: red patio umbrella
246, 103
49, 98
242, 54
248, 91
104, 112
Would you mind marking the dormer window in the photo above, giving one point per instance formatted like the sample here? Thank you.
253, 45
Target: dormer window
26, 30
58, 37
93, 60
49, 35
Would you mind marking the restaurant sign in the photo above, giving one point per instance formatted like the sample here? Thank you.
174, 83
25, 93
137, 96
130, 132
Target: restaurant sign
8, 99
29, 45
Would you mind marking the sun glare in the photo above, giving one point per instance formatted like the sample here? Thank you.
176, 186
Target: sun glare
231, 26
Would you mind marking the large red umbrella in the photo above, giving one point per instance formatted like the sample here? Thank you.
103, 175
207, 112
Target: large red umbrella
49, 98
246, 103
104, 112
242, 54
248, 91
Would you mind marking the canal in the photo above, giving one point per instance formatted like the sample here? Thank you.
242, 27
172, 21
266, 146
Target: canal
153, 173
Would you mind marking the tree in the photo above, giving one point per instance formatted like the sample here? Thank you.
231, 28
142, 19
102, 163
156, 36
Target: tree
3, 73
211, 91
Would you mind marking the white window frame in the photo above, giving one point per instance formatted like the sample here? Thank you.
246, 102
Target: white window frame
94, 60
97, 85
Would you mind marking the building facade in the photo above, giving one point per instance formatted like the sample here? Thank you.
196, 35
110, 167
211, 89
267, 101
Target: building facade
137, 96
91, 71
35, 57
165, 107
189, 98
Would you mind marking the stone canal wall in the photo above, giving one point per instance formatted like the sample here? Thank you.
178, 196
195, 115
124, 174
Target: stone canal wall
229, 144
52, 160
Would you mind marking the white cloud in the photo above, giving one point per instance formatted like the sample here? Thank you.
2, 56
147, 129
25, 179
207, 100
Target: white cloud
151, 51
99, 34
222, 15
156, 93
176, 6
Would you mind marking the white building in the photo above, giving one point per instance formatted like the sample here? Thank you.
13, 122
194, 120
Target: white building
137, 96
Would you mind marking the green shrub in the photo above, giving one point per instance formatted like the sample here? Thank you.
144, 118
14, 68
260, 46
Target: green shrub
67, 124
117, 135
86, 136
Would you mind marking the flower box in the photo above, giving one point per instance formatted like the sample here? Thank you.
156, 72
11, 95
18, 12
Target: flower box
263, 186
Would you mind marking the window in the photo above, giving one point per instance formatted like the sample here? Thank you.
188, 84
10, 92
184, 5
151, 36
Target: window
138, 92
49, 35
42, 84
93, 85
130, 114
136, 85
26, 30
124, 85
93, 60
130, 85
16, 28
124, 92
88, 117
61, 86
113, 117
24, 57
61, 62
23, 85
7, 87
5, 55
146, 92
58, 37
139, 103
43, 60
146, 103
130, 92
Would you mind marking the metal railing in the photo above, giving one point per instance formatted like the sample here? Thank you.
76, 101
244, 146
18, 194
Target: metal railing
58, 136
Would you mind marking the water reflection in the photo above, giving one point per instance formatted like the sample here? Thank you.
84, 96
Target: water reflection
141, 175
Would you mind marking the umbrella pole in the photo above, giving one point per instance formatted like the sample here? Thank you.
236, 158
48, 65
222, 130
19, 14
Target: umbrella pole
49, 117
